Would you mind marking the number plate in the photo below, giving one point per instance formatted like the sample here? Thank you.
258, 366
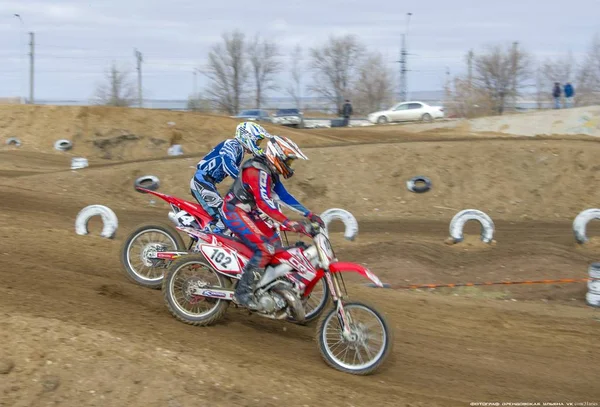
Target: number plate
221, 259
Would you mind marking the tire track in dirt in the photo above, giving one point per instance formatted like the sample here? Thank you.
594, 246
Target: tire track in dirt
448, 350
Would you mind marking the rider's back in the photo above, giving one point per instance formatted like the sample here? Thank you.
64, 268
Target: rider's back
222, 160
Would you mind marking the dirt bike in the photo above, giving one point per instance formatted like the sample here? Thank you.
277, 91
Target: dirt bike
198, 289
151, 247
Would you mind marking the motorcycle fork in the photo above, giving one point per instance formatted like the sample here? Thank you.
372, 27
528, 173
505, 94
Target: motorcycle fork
336, 293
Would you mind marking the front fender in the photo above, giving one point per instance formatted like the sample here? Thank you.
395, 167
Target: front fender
341, 267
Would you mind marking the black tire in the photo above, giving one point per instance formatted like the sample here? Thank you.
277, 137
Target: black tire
202, 320
382, 120
127, 268
148, 182
371, 368
317, 311
427, 118
413, 187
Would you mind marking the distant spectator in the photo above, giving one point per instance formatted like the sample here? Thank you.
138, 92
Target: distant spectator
569, 93
556, 92
174, 134
347, 112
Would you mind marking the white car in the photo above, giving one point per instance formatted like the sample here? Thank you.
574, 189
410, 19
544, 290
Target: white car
408, 111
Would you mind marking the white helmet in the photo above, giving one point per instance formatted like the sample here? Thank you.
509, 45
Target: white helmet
281, 152
250, 135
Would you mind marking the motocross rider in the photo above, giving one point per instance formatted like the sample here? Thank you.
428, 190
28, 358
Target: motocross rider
223, 160
254, 189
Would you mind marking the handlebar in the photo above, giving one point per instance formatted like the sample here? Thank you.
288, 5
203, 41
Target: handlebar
312, 228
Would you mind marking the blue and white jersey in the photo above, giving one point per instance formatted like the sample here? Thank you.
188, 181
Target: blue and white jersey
223, 160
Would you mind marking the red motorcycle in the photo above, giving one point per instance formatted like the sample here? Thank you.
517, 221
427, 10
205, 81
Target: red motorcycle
352, 337
151, 247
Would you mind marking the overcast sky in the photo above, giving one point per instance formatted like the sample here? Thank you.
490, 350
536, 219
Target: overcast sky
77, 40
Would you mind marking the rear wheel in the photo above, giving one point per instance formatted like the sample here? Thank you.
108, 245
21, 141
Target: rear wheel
365, 349
185, 276
426, 118
137, 252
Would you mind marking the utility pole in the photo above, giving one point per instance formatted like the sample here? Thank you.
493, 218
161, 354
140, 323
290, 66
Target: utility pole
402, 82
138, 56
470, 68
403, 91
515, 56
195, 72
447, 84
31, 66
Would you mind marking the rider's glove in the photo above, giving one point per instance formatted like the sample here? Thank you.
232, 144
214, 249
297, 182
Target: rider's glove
294, 226
316, 219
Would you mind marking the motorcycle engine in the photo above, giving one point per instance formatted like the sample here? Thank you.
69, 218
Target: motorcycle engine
270, 302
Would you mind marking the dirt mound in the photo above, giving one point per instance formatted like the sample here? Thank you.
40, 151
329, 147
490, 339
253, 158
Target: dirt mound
66, 306
119, 133
575, 121
510, 180
581, 120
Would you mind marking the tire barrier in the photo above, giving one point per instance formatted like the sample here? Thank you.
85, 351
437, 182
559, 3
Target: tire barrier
458, 222
593, 295
63, 145
109, 219
412, 186
78, 163
346, 217
175, 149
13, 141
581, 221
147, 181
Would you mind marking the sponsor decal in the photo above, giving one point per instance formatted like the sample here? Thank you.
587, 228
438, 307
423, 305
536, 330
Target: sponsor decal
213, 294
263, 190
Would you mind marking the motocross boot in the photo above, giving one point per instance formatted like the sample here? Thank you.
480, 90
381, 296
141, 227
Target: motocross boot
244, 290
217, 226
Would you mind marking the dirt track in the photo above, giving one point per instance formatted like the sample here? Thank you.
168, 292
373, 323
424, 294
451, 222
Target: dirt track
80, 334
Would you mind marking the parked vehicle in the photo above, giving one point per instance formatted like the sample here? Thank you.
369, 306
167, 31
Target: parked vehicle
408, 111
288, 117
259, 115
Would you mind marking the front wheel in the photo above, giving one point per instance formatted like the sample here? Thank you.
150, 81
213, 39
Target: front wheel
185, 276
367, 346
139, 249
382, 120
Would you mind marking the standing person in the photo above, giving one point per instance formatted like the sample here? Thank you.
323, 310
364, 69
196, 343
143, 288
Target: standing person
347, 112
556, 92
175, 136
569, 93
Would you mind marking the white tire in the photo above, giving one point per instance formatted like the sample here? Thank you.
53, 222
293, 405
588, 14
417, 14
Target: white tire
346, 217
109, 219
457, 225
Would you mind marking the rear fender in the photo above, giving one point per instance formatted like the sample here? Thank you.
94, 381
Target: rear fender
342, 267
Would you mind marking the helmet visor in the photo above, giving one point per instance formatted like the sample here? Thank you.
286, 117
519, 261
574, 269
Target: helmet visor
289, 161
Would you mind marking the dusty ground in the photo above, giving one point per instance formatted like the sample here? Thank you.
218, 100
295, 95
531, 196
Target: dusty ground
75, 332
